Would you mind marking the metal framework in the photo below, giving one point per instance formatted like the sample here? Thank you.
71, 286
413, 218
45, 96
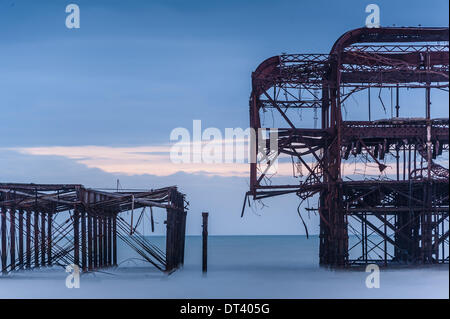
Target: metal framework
45, 225
397, 218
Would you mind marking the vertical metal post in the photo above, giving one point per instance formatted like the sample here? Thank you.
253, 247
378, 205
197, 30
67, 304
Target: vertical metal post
49, 238
385, 241
20, 239
169, 240
205, 242
183, 236
12, 231
76, 237
105, 241
83, 240
109, 240
427, 234
114, 231
100, 241
366, 237
89, 240
397, 114
363, 236
43, 248
443, 244
28, 240
404, 162
36, 238
95, 241
3, 229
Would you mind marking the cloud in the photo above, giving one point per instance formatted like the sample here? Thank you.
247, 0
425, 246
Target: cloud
221, 196
155, 160
135, 160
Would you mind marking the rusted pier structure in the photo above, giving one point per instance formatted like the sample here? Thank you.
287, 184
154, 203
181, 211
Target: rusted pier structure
399, 214
45, 225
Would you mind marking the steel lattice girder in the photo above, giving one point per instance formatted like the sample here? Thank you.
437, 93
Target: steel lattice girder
360, 59
91, 222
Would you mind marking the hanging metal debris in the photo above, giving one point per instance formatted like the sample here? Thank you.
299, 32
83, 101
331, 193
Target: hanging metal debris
400, 219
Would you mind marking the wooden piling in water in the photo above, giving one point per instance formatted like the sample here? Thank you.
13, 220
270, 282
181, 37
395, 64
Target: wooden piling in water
205, 242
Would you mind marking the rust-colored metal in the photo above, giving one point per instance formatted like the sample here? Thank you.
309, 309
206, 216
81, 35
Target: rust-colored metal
71, 224
409, 215
205, 242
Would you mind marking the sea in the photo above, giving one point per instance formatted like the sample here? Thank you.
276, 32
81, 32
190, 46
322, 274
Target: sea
238, 267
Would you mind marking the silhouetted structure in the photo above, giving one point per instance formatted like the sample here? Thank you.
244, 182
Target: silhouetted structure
401, 218
44, 225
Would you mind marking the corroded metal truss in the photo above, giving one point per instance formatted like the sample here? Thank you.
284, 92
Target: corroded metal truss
44, 225
407, 212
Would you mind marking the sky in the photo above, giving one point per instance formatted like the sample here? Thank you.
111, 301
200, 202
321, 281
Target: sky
98, 103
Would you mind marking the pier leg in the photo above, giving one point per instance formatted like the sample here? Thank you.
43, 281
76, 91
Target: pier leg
12, 231
183, 236
114, 234
89, 240
76, 237
170, 225
105, 242
36, 239
175, 229
20, 239
83, 241
28, 240
43, 240
100, 242
49, 239
3, 228
95, 240
109, 241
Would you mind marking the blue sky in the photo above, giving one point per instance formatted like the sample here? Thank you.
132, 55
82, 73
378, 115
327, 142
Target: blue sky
137, 69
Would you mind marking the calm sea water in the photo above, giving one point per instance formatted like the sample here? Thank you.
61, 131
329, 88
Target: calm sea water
239, 267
